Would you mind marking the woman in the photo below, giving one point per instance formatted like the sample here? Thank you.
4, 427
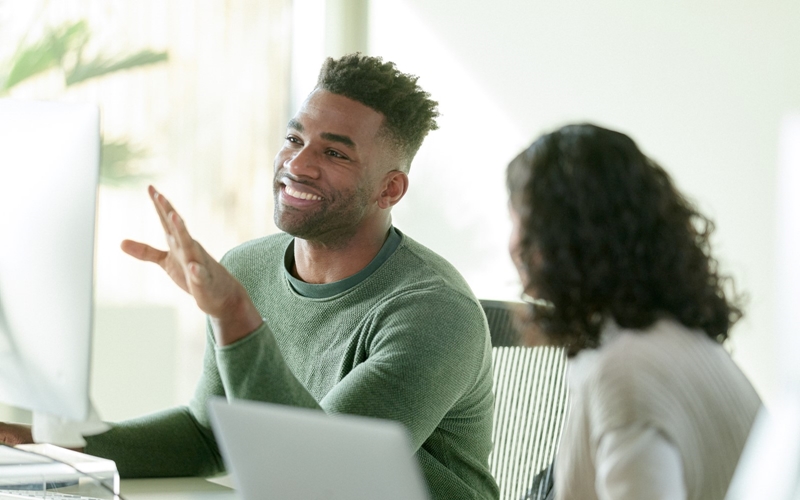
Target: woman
658, 410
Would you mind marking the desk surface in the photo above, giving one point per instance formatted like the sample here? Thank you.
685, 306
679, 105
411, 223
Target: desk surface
183, 488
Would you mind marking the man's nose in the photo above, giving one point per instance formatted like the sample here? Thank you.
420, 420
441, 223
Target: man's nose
303, 163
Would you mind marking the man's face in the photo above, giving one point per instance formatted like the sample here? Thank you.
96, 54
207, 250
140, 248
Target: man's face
329, 170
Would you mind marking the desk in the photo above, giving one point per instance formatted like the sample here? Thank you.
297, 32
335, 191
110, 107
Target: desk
181, 488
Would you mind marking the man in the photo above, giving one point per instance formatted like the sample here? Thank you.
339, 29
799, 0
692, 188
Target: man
342, 312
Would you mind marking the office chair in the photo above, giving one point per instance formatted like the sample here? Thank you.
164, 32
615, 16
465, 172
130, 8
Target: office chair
530, 393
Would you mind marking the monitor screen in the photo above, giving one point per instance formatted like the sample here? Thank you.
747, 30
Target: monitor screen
49, 166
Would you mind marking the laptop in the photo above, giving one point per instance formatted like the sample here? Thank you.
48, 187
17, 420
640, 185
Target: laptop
286, 453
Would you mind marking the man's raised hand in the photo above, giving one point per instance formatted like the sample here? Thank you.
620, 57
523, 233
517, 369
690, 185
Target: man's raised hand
167, 260
215, 290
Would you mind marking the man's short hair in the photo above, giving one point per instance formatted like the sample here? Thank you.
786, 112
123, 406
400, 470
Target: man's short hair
410, 112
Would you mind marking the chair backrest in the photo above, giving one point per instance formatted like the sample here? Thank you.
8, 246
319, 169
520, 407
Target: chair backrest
530, 393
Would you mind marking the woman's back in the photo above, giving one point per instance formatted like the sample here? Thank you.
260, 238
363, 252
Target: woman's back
669, 379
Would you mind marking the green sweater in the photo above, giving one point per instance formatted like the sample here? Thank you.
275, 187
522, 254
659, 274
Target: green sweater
403, 340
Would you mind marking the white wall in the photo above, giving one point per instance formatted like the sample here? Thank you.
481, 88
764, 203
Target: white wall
702, 86
787, 282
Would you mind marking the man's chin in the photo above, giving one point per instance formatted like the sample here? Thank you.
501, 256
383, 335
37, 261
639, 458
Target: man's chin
322, 234
288, 220
298, 229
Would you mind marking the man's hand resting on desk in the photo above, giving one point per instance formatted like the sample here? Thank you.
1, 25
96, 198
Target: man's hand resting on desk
217, 293
14, 434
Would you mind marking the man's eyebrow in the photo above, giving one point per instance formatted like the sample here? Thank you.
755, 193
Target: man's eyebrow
338, 138
328, 136
296, 125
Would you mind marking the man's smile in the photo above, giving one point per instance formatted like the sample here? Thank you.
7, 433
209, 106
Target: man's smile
294, 193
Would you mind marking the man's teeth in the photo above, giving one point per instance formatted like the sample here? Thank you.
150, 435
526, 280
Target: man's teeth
299, 194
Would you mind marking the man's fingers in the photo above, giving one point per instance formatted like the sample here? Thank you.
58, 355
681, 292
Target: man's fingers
177, 235
143, 252
162, 216
188, 251
182, 236
162, 203
184, 251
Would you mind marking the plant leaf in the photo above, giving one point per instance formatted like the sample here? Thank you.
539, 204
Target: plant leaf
30, 62
46, 53
116, 159
100, 65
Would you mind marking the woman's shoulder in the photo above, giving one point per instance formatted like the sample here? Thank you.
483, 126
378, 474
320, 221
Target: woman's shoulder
662, 345
636, 374
630, 362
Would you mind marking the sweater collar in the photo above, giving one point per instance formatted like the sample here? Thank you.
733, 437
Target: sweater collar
328, 290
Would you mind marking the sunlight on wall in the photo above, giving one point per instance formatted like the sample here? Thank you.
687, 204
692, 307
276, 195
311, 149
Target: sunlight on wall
308, 48
456, 200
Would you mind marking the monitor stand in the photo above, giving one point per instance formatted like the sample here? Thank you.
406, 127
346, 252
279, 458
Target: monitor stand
45, 467
53, 429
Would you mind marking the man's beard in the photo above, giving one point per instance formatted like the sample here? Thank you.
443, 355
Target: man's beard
332, 223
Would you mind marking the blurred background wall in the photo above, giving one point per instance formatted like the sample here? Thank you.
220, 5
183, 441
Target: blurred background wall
702, 86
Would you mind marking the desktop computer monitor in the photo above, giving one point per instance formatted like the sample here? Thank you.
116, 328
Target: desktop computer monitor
49, 167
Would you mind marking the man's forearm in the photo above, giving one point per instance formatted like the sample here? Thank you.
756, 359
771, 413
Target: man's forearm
165, 444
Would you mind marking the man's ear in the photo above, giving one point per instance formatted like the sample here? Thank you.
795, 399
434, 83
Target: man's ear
395, 185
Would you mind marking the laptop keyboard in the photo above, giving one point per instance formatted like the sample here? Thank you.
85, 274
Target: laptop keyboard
49, 495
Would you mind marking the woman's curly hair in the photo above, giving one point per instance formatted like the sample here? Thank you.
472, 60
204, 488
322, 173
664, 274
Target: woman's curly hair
410, 112
604, 233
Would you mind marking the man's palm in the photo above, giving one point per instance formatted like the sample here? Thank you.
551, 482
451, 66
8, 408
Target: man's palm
166, 260
216, 291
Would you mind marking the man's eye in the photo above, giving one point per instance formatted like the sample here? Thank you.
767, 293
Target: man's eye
293, 139
336, 154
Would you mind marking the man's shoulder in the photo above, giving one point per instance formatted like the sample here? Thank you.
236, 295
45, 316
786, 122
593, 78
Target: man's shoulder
257, 253
423, 267
417, 282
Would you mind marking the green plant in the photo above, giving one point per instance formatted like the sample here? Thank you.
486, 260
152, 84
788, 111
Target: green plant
62, 48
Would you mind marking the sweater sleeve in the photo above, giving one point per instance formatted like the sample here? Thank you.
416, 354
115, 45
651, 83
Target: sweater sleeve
172, 443
166, 444
253, 368
426, 350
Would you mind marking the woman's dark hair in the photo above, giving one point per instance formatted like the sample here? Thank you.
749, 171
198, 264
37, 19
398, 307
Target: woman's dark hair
604, 233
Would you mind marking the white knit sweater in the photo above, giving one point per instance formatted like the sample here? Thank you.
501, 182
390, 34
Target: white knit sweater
668, 378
